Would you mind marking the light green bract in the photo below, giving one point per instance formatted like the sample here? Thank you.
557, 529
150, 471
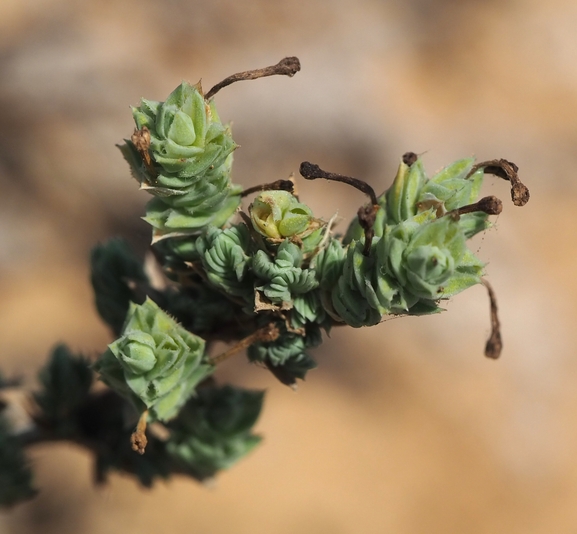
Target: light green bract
278, 215
156, 363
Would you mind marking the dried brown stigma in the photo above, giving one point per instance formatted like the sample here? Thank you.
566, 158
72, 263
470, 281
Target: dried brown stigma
490, 205
409, 158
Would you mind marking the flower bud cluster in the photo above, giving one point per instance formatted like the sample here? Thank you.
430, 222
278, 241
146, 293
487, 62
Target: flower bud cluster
281, 264
156, 363
182, 154
418, 255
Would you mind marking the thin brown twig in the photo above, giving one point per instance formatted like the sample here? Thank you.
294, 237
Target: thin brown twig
279, 185
310, 171
366, 214
288, 66
266, 334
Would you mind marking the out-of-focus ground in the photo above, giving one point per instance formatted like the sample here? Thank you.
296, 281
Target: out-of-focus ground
405, 427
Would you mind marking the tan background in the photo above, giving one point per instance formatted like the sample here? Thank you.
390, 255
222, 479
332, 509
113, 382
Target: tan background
405, 428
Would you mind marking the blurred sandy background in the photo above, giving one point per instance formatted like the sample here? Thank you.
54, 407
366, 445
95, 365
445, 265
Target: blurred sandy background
405, 428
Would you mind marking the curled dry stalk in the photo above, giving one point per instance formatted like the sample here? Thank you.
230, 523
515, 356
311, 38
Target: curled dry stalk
288, 66
507, 171
366, 214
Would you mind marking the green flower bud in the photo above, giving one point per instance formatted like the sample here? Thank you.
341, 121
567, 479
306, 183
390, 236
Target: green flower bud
450, 188
428, 267
278, 214
283, 276
416, 263
186, 136
424, 258
136, 352
402, 196
155, 363
418, 257
182, 154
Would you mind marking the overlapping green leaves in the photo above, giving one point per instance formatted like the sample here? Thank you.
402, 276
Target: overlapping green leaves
182, 154
283, 277
214, 430
287, 356
419, 254
226, 258
156, 363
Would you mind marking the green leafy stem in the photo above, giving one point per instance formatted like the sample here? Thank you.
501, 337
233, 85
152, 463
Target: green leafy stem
268, 279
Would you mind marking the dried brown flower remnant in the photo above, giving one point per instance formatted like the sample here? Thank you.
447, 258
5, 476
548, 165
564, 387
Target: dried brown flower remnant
508, 171
494, 344
288, 66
